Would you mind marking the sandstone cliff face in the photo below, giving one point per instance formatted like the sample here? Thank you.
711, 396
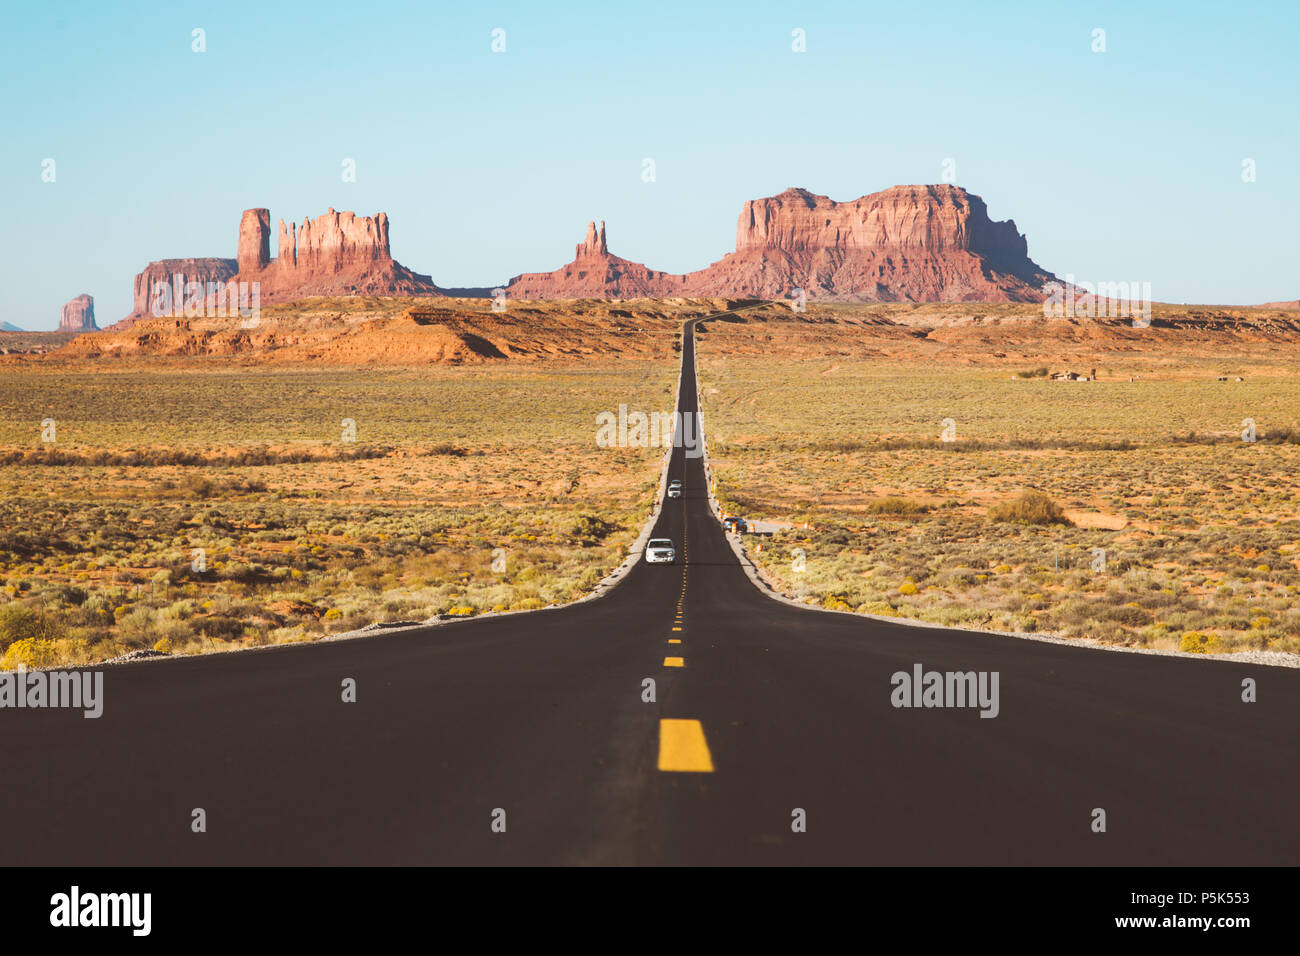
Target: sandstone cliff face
254, 249
79, 315
595, 274
907, 243
165, 271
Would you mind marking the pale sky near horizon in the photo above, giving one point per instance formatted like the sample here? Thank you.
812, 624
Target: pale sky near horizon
1122, 165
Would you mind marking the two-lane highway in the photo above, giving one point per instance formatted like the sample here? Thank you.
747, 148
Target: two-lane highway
764, 714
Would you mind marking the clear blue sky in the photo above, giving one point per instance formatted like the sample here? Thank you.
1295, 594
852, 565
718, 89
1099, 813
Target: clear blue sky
1122, 165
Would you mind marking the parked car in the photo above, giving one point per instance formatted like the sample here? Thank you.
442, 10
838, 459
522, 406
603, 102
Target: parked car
660, 551
674, 489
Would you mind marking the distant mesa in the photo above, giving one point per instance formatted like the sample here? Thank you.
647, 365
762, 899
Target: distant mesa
9, 327
595, 274
904, 244
932, 243
338, 253
79, 315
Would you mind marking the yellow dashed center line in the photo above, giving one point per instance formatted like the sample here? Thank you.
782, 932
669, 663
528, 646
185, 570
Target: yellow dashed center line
682, 747
674, 640
674, 662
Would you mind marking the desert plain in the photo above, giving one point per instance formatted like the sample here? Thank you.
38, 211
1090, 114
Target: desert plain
189, 486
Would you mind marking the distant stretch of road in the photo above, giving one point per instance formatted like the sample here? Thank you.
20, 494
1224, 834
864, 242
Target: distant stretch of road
772, 739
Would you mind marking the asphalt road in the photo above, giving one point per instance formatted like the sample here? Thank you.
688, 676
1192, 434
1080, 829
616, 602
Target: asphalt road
541, 716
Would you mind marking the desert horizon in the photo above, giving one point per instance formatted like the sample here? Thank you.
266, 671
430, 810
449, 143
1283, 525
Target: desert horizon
350, 255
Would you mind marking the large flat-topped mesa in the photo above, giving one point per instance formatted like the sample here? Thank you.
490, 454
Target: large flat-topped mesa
939, 218
907, 243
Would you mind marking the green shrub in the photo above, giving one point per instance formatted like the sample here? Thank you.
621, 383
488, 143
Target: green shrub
1032, 507
1197, 642
17, 623
896, 506
591, 529
28, 653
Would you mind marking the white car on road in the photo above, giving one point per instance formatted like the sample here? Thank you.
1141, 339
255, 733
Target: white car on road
674, 489
660, 551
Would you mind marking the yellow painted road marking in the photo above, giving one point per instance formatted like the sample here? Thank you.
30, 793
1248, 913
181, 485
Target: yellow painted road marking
674, 640
677, 629
682, 747
674, 662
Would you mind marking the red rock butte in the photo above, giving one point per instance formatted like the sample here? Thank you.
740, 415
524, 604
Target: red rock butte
338, 253
79, 315
595, 274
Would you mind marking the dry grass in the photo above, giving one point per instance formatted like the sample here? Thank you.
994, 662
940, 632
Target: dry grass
302, 533
1125, 511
